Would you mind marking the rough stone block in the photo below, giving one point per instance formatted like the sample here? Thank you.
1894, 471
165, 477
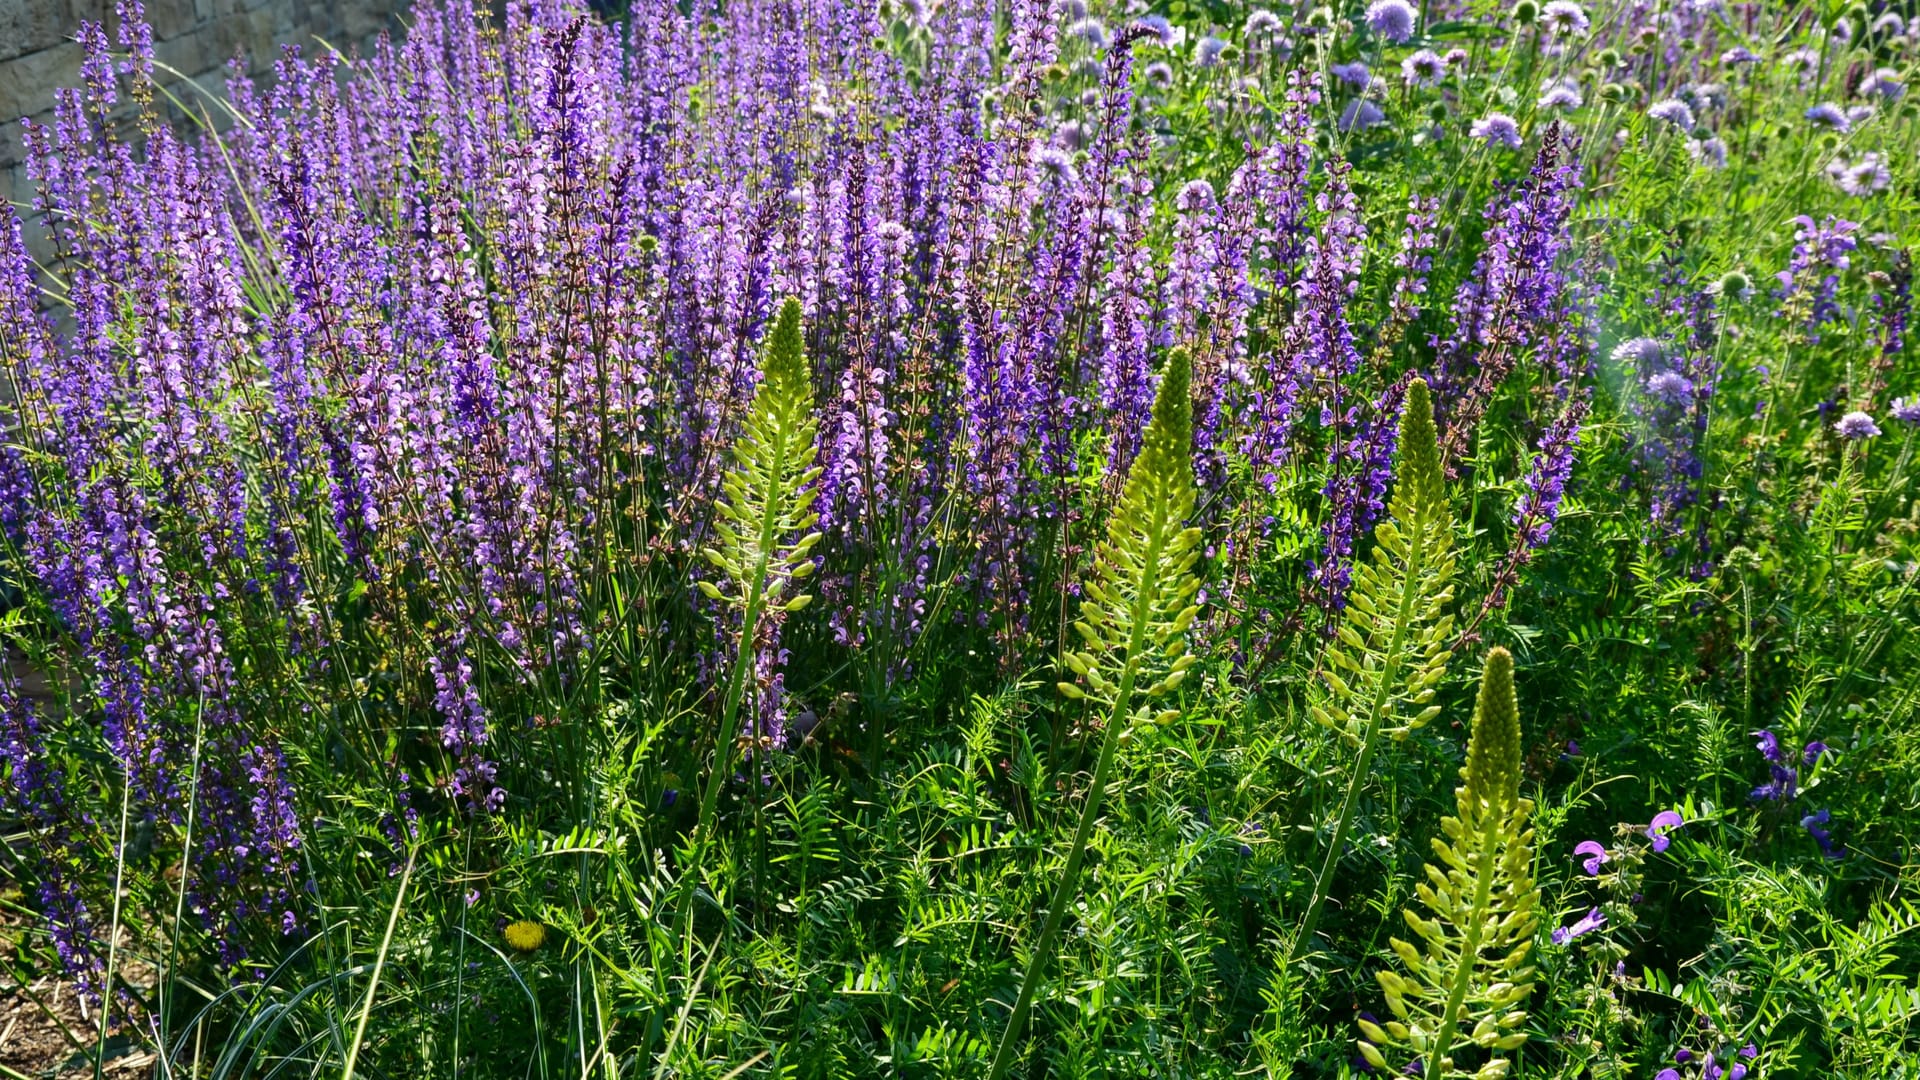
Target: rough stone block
27, 82
31, 25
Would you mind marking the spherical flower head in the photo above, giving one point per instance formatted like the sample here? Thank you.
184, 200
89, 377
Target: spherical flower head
1361, 114
1672, 111
1710, 153
1455, 58
1828, 115
1640, 350
1670, 386
1662, 824
1907, 410
1888, 25
1856, 426
1091, 31
1156, 27
1884, 83
1596, 856
1496, 128
1354, 74
1160, 73
1866, 176
1564, 17
1391, 20
1423, 68
1208, 52
525, 935
1262, 23
1561, 94
1055, 163
1739, 54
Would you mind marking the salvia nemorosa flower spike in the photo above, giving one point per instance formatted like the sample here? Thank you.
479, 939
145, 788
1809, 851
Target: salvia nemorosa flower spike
1133, 622
1466, 984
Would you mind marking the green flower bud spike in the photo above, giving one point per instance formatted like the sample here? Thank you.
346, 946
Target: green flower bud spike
1390, 652
1133, 624
1467, 982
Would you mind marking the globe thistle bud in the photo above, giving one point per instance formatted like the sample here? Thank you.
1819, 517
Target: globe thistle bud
1525, 12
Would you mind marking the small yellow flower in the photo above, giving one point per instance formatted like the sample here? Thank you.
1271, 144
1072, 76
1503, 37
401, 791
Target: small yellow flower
525, 935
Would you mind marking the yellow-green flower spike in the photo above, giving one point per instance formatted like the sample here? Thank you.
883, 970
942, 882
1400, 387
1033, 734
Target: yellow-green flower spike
1391, 649
1133, 624
1469, 976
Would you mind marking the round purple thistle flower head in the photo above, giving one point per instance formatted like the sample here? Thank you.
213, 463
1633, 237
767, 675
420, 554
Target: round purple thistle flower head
1560, 94
1663, 823
1496, 128
1596, 856
1884, 82
1091, 31
1262, 23
1828, 115
1640, 350
1711, 152
1672, 111
1391, 19
1354, 74
1157, 27
1670, 386
1856, 426
1739, 54
1423, 68
1907, 410
1361, 114
1207, 53
1564, 17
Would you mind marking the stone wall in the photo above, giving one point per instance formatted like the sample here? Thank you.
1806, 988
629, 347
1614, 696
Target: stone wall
195, 37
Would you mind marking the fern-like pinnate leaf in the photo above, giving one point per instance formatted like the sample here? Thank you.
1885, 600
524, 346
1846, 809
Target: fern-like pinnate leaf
1133, 624
1391, 649
764, 525
1139, 599
1469, 974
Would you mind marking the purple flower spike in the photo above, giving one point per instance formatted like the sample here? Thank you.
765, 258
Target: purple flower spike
1769, 746
1663, 822
1596, 856
1591, 921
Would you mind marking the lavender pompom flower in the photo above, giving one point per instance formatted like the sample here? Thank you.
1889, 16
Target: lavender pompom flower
1354, 74
1710, 152
1423, 68
1884, 83
1865, 176
1596, 856
1207, 53
1496, 128
1560, 94
1391, 20
1361, 114
1829, 116
1856, 426
1907, 410
1564, 18
1672, 111
1591, 921
1659, 830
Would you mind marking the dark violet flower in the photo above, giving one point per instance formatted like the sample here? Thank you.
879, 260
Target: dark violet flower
1423, 68
1392, 20
1596, 856
1769, 746
1812, 751
1816, 825
1496, 128
1591, 921
1667, 1074
1663, 823
1682, 1055
1856, 426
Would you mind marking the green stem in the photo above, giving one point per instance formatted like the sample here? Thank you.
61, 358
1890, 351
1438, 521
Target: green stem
1390, 670
1064, 893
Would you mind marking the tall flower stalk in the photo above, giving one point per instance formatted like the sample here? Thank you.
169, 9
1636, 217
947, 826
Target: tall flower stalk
1391, 649
1139, 603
